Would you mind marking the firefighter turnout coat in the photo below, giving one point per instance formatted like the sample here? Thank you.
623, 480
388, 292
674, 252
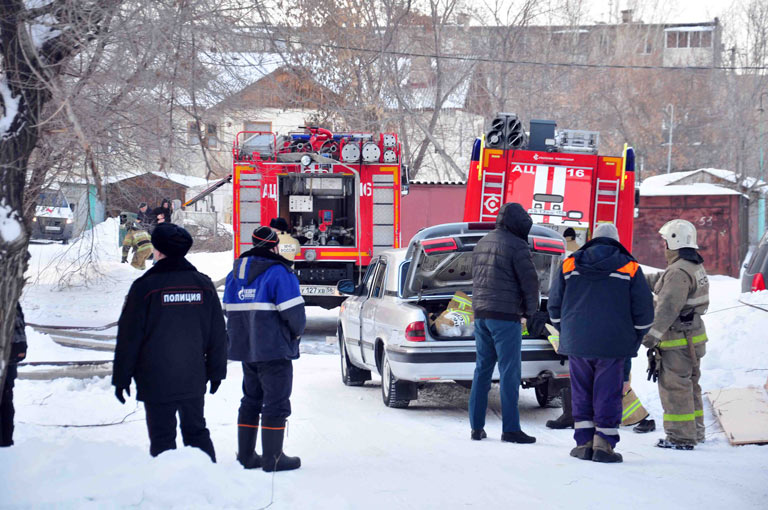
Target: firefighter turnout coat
682, 297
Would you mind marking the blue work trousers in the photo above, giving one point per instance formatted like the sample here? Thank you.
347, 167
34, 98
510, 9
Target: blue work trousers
497, 341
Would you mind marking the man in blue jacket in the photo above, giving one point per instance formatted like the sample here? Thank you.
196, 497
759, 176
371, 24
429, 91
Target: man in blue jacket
265, 320
603, 307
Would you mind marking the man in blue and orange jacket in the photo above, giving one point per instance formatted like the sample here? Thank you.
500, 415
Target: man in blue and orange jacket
603, 307
265, 321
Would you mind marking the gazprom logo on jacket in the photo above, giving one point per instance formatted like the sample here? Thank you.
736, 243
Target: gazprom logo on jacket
246, 294
182, 298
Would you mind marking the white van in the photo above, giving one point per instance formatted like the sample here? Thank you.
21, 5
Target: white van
53, 218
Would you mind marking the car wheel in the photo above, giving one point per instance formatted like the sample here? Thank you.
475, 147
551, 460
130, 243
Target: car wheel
350, 374
391, 387
542, 394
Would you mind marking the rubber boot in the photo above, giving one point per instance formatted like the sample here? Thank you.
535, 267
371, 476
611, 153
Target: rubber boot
273, 458
565, 420
477, 435
603, 451
246, 446
583, 452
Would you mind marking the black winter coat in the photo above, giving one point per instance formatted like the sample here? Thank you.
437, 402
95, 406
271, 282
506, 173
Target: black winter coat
504, 281
171, 336
19, 339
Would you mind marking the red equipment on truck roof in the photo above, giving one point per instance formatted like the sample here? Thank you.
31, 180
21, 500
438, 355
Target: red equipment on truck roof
557, 176
340, 194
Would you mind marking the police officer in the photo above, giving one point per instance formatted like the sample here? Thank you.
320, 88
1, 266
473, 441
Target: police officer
140, 241
171, 339
288, 246
266, 319
678, 337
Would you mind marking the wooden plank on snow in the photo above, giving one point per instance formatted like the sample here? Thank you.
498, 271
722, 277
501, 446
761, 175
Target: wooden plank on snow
743, 414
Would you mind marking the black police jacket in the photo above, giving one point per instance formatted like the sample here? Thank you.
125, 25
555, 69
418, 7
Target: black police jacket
171, 336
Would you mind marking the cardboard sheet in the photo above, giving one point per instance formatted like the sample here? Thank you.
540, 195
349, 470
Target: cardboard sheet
743, 414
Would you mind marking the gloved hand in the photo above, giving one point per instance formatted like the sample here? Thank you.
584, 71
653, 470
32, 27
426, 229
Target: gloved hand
119, 393
215, 386
124, 260
654, 364
650, 341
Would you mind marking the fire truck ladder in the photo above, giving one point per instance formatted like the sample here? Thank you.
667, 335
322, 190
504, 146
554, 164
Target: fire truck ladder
492, 196
607, 193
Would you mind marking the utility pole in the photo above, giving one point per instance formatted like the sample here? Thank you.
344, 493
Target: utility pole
670, 110
761, 200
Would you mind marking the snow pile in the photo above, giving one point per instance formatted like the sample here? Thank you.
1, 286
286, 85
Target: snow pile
43, 348
10, 227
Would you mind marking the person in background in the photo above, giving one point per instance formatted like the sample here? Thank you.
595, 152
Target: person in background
288, 246
165, 209
505, 289
143, 217
171, 339
602, 306
138, 240
18, 353
570, 241
265, 321
677, 340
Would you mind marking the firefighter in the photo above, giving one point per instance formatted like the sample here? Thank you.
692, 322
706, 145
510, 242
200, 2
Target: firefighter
288, 246
677, 339
140, 241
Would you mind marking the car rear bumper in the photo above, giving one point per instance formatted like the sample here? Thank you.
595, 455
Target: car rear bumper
41, 230
431, 363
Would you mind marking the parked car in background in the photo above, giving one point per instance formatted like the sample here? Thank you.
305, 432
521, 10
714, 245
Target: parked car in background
53, 218
755, 276
385, 325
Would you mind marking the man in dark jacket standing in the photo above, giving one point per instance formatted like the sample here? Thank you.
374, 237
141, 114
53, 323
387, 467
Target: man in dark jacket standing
266, 319
18, 353
171, 340
505, 288
603, 307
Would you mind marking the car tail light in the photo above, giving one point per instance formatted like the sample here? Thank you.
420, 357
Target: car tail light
439, 245
548, 245
758, 282
415, 332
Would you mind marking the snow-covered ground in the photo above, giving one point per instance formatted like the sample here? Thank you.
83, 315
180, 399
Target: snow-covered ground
77, 447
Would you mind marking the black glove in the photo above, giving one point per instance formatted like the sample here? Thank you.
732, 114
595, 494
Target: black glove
654, 364
119, 393
215, 386
124, 260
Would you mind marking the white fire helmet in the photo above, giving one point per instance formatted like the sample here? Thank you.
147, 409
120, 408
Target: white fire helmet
679, 234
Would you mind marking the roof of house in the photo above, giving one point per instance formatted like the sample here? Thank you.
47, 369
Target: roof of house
701, 188
187, 181
726, 175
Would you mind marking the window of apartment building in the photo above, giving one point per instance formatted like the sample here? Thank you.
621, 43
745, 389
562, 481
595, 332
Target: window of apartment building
689, 39
210, 135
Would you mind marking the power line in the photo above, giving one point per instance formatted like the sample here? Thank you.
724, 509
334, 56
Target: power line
466, 58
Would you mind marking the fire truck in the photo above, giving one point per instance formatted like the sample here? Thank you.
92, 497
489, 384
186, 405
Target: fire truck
557, 176
339, 192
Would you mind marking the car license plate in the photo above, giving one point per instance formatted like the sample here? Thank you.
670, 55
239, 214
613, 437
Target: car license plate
318, 290
53, 229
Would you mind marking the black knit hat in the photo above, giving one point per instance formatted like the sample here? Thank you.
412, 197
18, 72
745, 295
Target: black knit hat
264, 237
171, 240
279, 224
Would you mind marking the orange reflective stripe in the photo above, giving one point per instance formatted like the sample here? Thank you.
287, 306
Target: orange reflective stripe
630, 268
246, 425
272, 428
569, 265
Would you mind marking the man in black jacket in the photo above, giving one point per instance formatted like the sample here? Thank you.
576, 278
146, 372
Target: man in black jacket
505, 288
18, 353
171, 340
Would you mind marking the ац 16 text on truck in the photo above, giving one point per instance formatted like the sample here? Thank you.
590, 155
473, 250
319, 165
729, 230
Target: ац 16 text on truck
339, 192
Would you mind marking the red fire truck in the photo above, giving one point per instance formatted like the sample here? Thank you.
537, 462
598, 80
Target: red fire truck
339, 192
557, 176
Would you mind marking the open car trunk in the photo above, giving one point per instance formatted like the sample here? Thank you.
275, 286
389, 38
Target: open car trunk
441, 266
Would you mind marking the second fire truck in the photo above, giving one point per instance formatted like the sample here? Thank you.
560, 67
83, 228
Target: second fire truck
557, 176
339, 192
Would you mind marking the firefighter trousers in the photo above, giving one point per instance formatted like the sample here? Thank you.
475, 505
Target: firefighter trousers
140, 256
681, 394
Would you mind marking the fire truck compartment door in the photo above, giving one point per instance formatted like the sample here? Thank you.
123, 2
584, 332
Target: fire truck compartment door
383, 212
250, 205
